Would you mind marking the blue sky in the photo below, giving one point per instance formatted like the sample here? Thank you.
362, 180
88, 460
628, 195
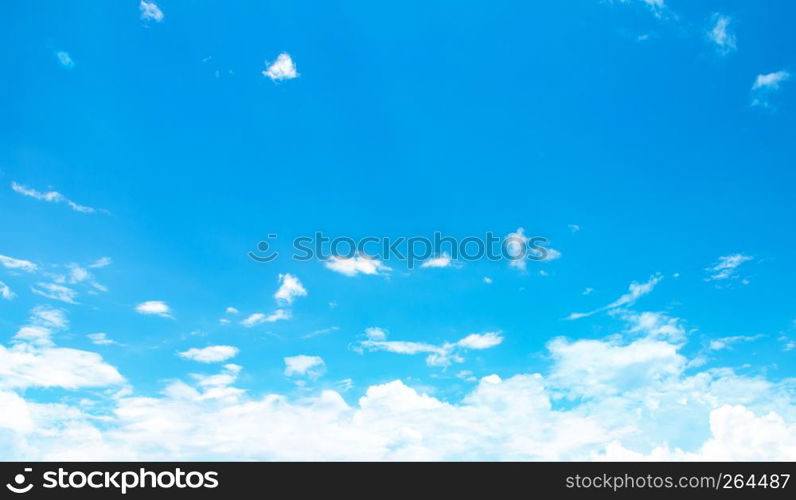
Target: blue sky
148, 147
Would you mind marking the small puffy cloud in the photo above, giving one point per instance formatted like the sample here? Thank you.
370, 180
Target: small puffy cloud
17, 264
765, 85
210, 354
64, 59
100, 339
720, 34
150, 11
281, 69
488, 280
51, 197
289, 288
574, 228
304, 366
359, 264
5, 292
635, 291
231, 310
49, 317
55, 291
259, 318
516, 248
154, 307
443, 260
375, 333
727, 267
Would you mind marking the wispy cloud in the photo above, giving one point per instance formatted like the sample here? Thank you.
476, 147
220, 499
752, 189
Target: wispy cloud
55, 291
443, 260
154, 307
17, 264
259, 318
150, 11
727, 267
635, 291
101, 339
5, 291
437, 355
281, 69
765, 85
52, 197
720, 34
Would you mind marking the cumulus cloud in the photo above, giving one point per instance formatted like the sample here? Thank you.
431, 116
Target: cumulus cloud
289, 288
259, 318
33, 359
304, 366
631, 396
437, 355
281, 69
51, 197
765, 85
359, 264
720, 34
17, 264
154, 307
150, 11
635, 291
210, 354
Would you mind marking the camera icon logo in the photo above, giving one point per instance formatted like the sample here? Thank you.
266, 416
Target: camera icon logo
19, 481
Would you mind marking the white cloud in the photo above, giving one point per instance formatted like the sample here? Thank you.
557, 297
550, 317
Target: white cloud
259, 318
17, 264
51, 197
5, 292
726, 267
722, 343
375, 333
35, 361
150, 10
64, 59
574, 228
630, 397
635, 291
290, 287
231, 310
210, 354
721, 35
303, 365
55, 291
100, 263
488, 280
100, 339
552, 254
443, 260
516, 247
281, 69
438, 355
359, 264
765, 85
154, 307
